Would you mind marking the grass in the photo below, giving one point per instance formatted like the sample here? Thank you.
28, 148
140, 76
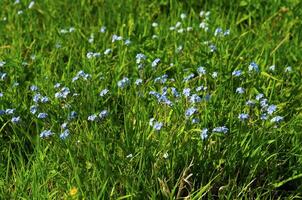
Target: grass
121, 156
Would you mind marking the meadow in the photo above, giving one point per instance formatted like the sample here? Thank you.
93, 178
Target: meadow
162, 99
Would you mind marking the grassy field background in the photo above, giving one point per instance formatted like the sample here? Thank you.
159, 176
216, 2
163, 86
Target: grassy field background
163, 99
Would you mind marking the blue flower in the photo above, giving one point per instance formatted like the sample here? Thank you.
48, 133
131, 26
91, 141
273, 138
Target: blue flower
33, 109
253, 67
218, 32
37, 97
158, 125
140, 57
44, 99
250, 103
104, 92
138, 81
16, 120
46, 133
103, 114
263, 117
42, 115
155, 62
263, 103
214, 75
195, 121
237, 73
64, 134
174, 92
92, 117
271, 109
201, 70
186, 92
259, 96
33, 88
9, 111
240, 90
221, 129
161, 79
123, 83
243, 116
72, 115
277, 119
187, 78
195, 98
190, 111
204, 134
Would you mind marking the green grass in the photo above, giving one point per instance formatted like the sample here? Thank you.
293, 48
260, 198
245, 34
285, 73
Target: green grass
122, 156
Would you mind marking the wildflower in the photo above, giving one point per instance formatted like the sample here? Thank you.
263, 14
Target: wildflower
151, 121
103, 114
63, 93
104, 92
1, 94
20, 12
240, 90
277, 119
2, 112
166, 155
179, 49
263, 117
183, 16
204, 134
42, 115
272, 68
227, 32
204, 25
140, 57
237, 73
186, 92
201, 70
174, 92
218, 32
33, 109
195, 98
195, 121
107, 51
116, 38
91, 39
178, 24
2, 63
92, 117
199, 88
46, 133
72, 115
31, 4
221, 129
207, 97
263, 103
250, 103
189, 28
253, 67
212, 48
33, 88
73, 191
44, 99
259, 96
9, 111
64, 125
214, 74
103, 29
64, 134
154, 24
243, 116
288, 69
16, 120
3, 76
71, 29
123, 83
158, 125
190, 111
155, 62
187, 78
161, 79
127, 42
271, 109
129, 155
138, 81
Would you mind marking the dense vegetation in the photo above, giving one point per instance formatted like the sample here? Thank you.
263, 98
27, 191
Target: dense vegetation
163, 99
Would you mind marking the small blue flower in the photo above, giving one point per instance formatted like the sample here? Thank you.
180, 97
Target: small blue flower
253, 67
189, 77
123, 83
103, 114
57, 85
271, 109
263, 117
140, 57
259, 96
42, 115
190, 111
199, 88
46, 133
214, 75
64, 125
44, 99
72, 115
204, 134
195, 98
195, 121
272, 68
104, 92
288, 69
9, 111
174, 92
218, 32
33, 109
161, 79
264, 103
221, 129
37, 97
201, 70
250, 103
92, 117
107, 51
212, 48
2, 112
237, 73
243, 116
33, 88
155, 62
277, 119
138, 81
158, 125
64, 134
186, 92
240, 90
1, 94
16, 120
